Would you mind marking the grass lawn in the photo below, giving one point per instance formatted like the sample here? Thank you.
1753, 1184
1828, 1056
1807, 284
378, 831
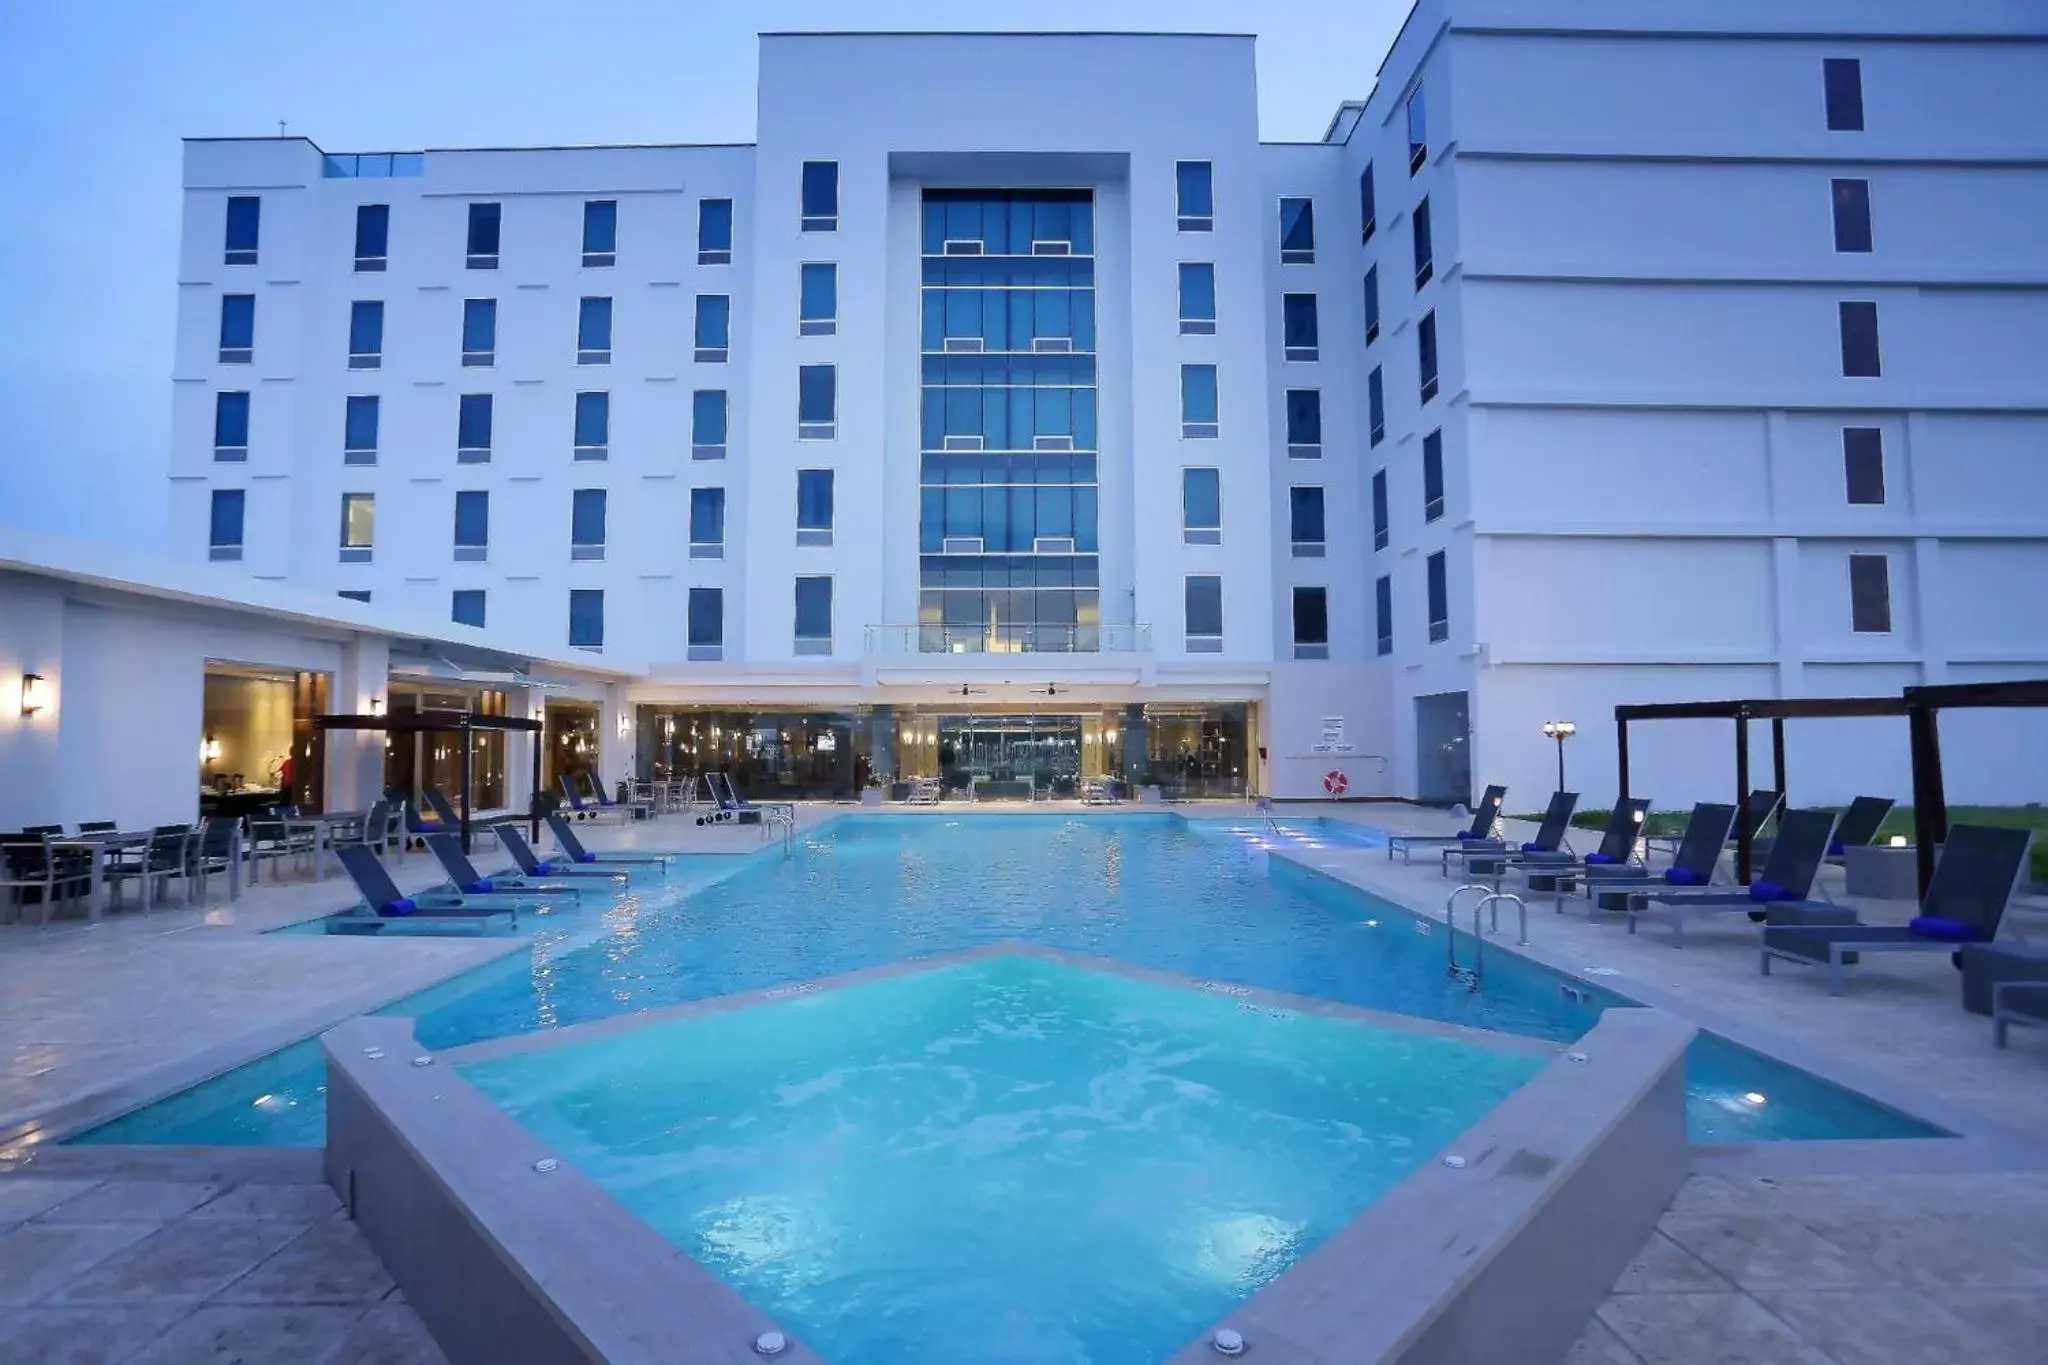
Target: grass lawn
1671, 823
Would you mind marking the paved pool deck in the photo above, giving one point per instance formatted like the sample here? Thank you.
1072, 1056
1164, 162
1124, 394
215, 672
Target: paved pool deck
1804, 1252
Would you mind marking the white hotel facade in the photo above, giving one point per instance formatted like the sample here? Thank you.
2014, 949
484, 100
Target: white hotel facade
1605, 353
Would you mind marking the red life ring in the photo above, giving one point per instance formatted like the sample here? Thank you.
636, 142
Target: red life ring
1334, 782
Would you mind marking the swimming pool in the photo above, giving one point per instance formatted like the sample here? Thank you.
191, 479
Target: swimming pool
1006, 1158
1187, 896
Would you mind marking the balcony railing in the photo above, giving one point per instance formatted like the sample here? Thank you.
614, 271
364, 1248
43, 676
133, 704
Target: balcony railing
1009, 639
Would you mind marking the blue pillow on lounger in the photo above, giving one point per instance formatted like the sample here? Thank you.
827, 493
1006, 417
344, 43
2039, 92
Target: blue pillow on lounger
1769, 891
1683, 876
586, 857
482, 886
1944, 930
1834, 848
1601, 860
1534, 848
543, 869
404, 905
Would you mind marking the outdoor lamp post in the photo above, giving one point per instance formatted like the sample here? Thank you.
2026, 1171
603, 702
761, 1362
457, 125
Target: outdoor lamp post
1559, 730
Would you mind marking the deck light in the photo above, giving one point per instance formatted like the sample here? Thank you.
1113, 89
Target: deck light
1559, 730
35, 693
1898, 841
1754, 1097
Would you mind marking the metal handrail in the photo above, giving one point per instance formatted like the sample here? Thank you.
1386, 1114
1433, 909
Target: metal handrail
1003, 637
1469, 975
1521, 914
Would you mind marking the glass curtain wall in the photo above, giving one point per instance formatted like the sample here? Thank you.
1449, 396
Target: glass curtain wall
571, 738
413, 762
1007, 519
770, 755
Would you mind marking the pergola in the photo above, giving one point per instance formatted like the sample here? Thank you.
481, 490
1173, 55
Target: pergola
1922, 705
1777, 710
463, 723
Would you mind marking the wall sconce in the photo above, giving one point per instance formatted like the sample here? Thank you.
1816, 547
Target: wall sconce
625, 724
376, 706
35, 693
209, 750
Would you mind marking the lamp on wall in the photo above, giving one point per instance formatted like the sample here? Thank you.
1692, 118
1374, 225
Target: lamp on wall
376, 706
1559, 730
209, 750
35, 693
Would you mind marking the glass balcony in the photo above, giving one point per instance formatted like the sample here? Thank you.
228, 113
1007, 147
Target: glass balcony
1009, 638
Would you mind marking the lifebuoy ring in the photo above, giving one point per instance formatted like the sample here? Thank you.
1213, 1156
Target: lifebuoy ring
1334, 782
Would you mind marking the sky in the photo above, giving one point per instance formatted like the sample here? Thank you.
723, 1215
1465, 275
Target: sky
95, 95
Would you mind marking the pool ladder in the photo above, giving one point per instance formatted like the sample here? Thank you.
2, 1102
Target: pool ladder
1266, 814
1471, 977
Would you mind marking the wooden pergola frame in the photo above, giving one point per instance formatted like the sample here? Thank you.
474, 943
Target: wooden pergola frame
1922, 706
464, 723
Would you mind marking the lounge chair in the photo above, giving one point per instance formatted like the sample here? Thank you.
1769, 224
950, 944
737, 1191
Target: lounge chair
1558, 873
638, 810
1778, 895
1859, 824
382, 900
1699, 854
1485, 818
515, 844
446, 820
1488, 857
464, 879
1757, 809
572, 848
736, 809
1973, 881
572, 795
1987, 966
2017, 1002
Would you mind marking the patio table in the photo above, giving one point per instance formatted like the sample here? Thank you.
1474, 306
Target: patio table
324, 828
98, 846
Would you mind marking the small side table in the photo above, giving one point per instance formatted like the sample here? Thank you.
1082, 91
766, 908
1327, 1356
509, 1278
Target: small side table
1882, 871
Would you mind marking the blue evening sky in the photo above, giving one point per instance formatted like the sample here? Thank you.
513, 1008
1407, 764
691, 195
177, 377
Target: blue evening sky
94, 98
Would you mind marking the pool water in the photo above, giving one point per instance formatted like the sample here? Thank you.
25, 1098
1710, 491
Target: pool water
1007, 1159
1155, 890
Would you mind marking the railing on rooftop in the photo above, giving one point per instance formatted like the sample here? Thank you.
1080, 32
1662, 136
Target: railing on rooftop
1012, 638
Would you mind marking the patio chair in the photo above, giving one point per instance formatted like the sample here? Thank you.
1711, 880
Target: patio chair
167, 855
465, 880
270, 838
2017, 1002
215, 849
514, 843
97, 826
1550, 838
926, 791
1778, 895
382, 900
374, 831
33, 873
572, 847
1485, 820
1973, 882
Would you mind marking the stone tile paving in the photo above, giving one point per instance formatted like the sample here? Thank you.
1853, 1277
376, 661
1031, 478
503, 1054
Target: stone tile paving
1836, 1270
177, 1272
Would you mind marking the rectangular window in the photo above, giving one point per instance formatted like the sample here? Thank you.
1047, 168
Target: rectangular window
1425, 256
230, 427
1203, 614
1376, 406
483, 237
594, 332
821, 196
1425, 354
1842, 79
593, 425
373, 236
714, 232
1439, 599
1304, 424
237, 329
1372, 305
817, 402
1198, 420
707, 625
1383, 613
1194, 196
1433, 475
1852, 215
818, 299
707, 424
1418, 131
354, 594
359, 429
1379, 510
245, 213
1197, 298
1298, 333
1863, 464
1311, 623
466, 607
586, 618
1305, 522
814, 614
358, 527
1859, 341
1201, 507
1870, 594
366, 335
479, 331
707, 523
1368, 205
600, 232
1297, 232
224, 537
473, 428
814, 507
586, 523
714, 328
472, 525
